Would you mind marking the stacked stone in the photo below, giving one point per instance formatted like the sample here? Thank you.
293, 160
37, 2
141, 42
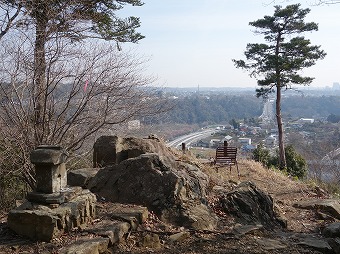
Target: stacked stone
54, 208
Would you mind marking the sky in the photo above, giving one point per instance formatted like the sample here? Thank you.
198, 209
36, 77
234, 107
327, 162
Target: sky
191, 43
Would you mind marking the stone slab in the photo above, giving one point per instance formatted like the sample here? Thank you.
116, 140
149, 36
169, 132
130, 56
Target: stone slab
87, 246
271, 244
48, 155
34, 224
151, 241
64, 196
113, 230
318, 244
241, 230
331, 206
39, 222
179, 237
127, 212
81, 177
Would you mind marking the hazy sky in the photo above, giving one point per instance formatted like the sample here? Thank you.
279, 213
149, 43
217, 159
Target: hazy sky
193, 42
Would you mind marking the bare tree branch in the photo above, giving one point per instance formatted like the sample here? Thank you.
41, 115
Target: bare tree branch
8, 16
89, 88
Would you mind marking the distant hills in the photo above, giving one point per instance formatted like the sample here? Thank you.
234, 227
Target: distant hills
218, 105
309, 90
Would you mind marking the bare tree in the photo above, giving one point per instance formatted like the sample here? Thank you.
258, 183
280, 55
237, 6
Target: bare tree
87, 89
50, 20
57, 89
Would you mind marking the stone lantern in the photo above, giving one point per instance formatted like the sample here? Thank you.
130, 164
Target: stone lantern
51, 176
53, 208
50, 168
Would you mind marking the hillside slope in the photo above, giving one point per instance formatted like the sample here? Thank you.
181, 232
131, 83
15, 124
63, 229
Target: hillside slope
303, 226
284, 190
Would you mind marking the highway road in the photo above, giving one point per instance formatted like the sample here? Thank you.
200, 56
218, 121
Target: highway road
190, 138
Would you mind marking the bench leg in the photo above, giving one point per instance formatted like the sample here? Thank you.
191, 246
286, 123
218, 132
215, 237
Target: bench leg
238, 172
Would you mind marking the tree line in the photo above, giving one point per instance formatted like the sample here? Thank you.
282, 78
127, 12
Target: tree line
215, 109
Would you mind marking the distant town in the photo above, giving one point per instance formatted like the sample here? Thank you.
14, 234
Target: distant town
311, 120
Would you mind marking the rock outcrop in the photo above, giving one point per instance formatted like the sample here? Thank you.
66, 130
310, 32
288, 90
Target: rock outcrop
329, 207
332, 230
111, 150
176, 195
81, 177
250, 205
148, 174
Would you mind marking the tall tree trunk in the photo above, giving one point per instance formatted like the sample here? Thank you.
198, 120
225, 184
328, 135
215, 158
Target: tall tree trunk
40, 86
282, 156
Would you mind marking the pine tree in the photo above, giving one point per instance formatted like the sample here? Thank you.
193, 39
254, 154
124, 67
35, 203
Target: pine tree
276, 63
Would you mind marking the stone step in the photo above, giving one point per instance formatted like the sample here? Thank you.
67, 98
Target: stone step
113, 230
114, 222
133, 214
87, 246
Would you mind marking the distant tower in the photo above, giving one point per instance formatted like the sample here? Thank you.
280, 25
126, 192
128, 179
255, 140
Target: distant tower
267, 116
336, 86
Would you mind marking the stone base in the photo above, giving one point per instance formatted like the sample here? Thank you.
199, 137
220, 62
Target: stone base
64, 196
40, 222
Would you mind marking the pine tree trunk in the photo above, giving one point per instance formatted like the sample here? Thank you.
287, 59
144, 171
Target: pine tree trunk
282, 156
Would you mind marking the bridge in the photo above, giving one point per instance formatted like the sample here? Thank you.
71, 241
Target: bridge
331, 155
190, 138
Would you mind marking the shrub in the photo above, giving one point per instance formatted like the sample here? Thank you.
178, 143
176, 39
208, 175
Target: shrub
296, 164
11, 189
262, 155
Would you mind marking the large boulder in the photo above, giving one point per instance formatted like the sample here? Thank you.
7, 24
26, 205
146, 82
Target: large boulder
81, 177
111, 150
332, 230
174, 190
105, 151
250, 205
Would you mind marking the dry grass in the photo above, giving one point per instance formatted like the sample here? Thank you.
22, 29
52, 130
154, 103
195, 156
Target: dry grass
285, 191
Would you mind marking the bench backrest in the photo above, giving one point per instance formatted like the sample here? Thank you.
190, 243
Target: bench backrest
226, 154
